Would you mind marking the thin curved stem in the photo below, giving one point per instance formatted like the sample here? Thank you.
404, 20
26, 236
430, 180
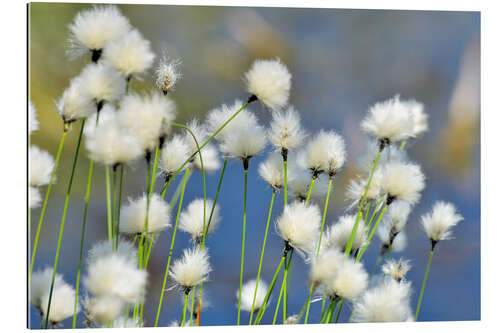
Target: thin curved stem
310, 189
192, 307
372, 232
324, 214
262, 310
287, 282
402, 145
340, 309
262, 255
377, 262
285, 182
183, 318
108, 205
243, 241
282, 289
323, 303
308, 302
118, 211
424, 283
63, 220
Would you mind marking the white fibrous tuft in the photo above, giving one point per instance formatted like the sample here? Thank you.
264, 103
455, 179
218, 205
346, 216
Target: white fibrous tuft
146, 118
398, 216
420, 122
34, 197
105, 248
106, 115
210, 157
192, 269
41, 164
32, 119
218, 116
271, 170
134, 215
175, 152
62, 303
325, 153
115, 273
167, 74
291, 320
390, 121
126, 322
356, 189
299, 181
325, 266
93, 29
200, 133
247, 295
438, 223
270, 82
111, 145
130, 55
104, 309
403, 181
40, 285
350, 281
399, 240
192, 221
245, 143
299, 225
337, 235
386, 302
396, 269
102, 83
76, 102
285, 132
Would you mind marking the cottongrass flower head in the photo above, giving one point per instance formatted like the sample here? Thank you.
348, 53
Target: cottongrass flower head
402, 181
103, 309
134, 215
192, 221
285, 132
291, 320
40, 285
349, 282
420, 122
116, 274
34, 197
210, 156
130, 55
247, 295
61, 305
271, 170
299, 182
218, 116
106, 115
389, 121
325, 266
397, 242
106, 248
337, 235
174, 153
245, 143
356, 189
299, 225
32, 119
396, 269
102, 83
270, 82
167, 74
93, 29
398, 216
439, 222
192, 269
126, 322
41, 164
387, 302
325, 153
75, 102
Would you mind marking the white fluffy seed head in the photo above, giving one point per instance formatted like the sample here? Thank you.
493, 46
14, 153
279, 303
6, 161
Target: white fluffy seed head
384, 233
104, 309
106, 114
62, 303
325, 153
40, 285
439, 222
210, 156
271, 170
102, 82
192, 269
245, 143
337, 235
299, 182
285, 132
396, 269
199, 131
126, 322
192, 222
247, 295
350, 281
105, 248
175, 153
389, 120
93, 29
134, 215
167, 73
75, 102
420, 122
41, 164
130, 55
386, 302
34, 197
218, 116
32, 119
110, 144
299, 225
325, 266
403, 181
398, 215
356, 189
270, 81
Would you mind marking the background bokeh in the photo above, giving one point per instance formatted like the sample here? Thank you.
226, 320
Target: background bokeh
342, 61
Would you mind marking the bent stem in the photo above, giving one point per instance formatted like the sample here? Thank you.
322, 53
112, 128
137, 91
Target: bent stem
308, 302
262, 255
243, 238
310, 189
63, 220
45, 201
186, 176
420, 297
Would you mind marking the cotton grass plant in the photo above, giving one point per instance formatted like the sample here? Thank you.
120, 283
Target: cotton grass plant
120, 127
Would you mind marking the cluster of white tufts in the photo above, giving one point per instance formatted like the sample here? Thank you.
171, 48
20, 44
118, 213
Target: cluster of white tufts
248, 292
325, 153
349, 279
299, 181
337, 235
194, 219
133, 215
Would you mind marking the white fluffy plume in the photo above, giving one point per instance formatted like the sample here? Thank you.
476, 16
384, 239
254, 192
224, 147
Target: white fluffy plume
285, 131
247, 295
192, 268
439, 222
403, 181
325, 153
192, 222
41, 164
271, 170
134, 215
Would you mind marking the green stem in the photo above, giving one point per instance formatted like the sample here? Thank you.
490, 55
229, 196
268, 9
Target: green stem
310, 189
285, 279
183, 318
363, 198
402, 145
308, 302
63, 219
324, 214
323, 303
108, 204
192, 307
262, 255
243, 240
367, 210
372, 232
282, 289
215, 201
113, 213
118, 211
186, 176
45, 201
340, 309
372, 217
379, 258
423, 284
262, 310
285, 185
329, 311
